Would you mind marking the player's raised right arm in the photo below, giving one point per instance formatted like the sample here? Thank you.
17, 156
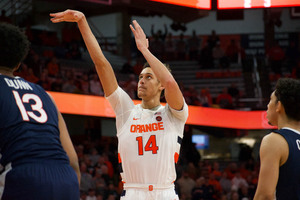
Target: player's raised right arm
103, 67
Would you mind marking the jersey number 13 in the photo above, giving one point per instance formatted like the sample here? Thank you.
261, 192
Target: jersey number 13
37, 106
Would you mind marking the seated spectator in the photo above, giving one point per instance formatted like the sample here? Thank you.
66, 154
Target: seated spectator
74, 52
91, 195
95, 86
111, 192
85, 85
252, 184
224, 100
193, 43
78, 89
198, 190
225, 183
86, 182
238, 181
244, 193
157, 47
215, 183
231, 169
206, 57
44, 81
53, 67
209, 191
220, 59
232, 51
35, 62
69, 86
216, 170
275, 57
100, 197
57, 84
234, 196
31, 76
186, 184
181, 48
159, 34
204, 98
213, 39
169, 47
234, 92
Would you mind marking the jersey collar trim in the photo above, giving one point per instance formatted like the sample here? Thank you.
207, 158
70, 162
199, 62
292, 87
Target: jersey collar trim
291, 129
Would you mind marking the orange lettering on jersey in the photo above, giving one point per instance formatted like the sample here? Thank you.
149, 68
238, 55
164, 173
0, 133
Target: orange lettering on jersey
154, 127
160, 126
133, 128
144, 128
148, 128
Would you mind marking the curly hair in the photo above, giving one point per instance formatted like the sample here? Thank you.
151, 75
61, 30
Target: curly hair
287, 92
14, 46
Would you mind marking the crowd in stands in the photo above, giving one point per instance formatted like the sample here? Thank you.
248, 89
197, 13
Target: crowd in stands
43, 67
210, 52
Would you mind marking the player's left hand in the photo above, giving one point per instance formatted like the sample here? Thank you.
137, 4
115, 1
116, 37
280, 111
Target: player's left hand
139, 35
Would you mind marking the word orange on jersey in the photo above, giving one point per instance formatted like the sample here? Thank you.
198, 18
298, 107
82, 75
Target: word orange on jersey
142, 128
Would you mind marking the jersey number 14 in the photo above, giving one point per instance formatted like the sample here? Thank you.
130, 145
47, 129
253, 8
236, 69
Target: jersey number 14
150, 145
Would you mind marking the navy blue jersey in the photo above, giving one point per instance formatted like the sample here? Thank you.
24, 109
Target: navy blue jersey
28, 124
288, 186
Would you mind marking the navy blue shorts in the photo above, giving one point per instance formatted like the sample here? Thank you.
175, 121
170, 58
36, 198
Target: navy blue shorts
50, 181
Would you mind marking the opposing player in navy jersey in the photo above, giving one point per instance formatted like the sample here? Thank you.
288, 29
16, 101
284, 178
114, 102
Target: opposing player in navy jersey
34, 142
280, 150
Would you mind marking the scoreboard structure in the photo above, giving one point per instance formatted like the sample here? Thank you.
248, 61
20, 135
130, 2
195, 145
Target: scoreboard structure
233, 4
242, 4
200, 4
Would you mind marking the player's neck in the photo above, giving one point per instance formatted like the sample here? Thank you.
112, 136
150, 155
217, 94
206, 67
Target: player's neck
151, 104
6, 71
293, 124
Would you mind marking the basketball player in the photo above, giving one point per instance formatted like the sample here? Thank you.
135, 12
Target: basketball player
34, 141
280, 150
149, 134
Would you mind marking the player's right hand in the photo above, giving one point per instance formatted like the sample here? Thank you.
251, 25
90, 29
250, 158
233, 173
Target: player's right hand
67, 16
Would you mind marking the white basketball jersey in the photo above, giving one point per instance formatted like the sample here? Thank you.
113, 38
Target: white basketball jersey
149, 140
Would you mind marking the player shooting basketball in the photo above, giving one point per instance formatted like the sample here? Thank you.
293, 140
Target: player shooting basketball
149, 134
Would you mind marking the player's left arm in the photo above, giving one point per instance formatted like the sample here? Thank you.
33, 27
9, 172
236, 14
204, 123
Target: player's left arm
173, 93
273, 154
66, 142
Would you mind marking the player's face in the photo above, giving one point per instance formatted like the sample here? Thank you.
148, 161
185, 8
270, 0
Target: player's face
271, 112
148, 85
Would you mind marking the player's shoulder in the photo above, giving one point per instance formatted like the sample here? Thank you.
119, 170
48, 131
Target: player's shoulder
274, 142
273, 138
